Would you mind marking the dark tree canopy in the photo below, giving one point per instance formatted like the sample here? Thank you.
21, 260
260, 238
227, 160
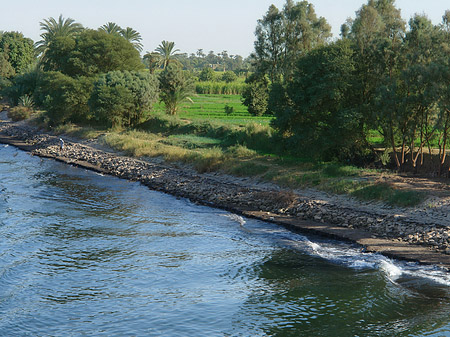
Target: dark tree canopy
17, 50
92, 52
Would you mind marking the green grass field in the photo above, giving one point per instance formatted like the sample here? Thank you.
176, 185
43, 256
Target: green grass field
212, 107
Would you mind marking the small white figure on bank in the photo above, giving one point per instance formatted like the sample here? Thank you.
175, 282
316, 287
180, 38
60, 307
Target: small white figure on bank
61, 144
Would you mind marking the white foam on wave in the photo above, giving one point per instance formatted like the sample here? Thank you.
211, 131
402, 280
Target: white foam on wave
354, 258
348, 255
392, 271
240, 220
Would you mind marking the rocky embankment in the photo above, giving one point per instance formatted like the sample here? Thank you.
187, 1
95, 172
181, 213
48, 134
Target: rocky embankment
390, 227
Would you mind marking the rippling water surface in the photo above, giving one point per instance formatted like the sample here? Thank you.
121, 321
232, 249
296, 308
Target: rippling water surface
88, 255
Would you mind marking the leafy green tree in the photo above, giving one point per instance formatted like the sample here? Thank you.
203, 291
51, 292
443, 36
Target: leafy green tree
175, 86
207, 74
120, 98
377, 32
167, 52
6, 69
24, 84
229, 76
53, 29
18, 50
282, 37
92, 52
256, 95
64, 98
317, 116
269, 44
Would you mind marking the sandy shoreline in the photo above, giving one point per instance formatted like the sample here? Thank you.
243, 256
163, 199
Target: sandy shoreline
419, 234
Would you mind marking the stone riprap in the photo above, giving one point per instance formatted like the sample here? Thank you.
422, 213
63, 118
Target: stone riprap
295, 209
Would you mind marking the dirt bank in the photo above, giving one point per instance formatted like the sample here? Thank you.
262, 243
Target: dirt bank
420, 234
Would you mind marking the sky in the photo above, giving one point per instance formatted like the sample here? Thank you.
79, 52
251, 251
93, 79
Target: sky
192, 25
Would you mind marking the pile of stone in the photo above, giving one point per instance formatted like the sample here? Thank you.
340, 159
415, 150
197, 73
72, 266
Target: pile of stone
229, 194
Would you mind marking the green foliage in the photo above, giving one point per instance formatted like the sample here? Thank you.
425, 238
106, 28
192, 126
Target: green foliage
175, 86
256, 95
282, 37
65, 98
19, 113
4, 85
207, 74
167, 52
26, 102
91, 52
18, 50
228, 109
318, 112
6, 69
120, 98
152, 61
219, 88
128, 34
229, 76
23, 84
53, 29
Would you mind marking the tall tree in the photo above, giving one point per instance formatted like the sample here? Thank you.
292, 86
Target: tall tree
317, 115
175, 86
269, 44
167, 51
133, 37
282, 37
53, 28
112, 28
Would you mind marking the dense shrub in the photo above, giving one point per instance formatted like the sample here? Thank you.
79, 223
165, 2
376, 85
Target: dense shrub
19, 113
91, 52
65, 98
229, 76
207, 74
119, 98
21, 85
256, 95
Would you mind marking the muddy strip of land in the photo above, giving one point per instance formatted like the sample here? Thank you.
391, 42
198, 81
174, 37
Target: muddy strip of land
419, 234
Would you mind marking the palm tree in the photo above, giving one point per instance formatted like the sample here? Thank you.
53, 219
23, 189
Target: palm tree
133, 37
112, 28
167, 52
53, 29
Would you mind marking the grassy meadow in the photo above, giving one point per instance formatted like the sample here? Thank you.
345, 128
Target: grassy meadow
212, 107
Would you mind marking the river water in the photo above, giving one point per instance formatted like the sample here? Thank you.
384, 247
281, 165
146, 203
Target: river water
88, 255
